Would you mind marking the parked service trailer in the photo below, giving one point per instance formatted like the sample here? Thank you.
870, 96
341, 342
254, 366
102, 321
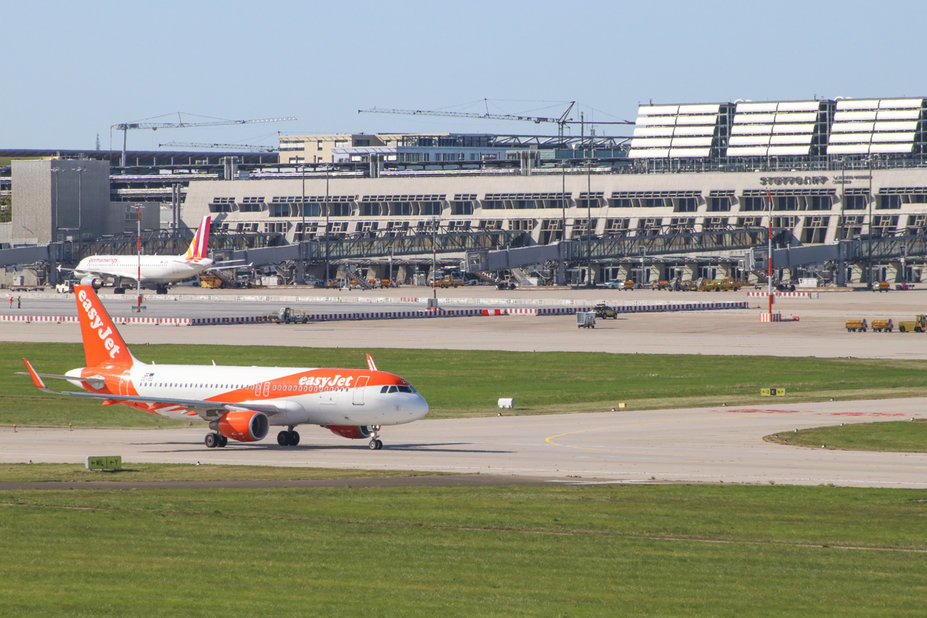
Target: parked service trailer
585, 319
857, 326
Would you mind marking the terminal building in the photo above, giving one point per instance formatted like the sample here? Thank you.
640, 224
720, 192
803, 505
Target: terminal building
823, 172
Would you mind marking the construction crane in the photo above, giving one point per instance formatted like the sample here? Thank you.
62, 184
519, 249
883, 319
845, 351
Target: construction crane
561, 121
180, 124
238, 147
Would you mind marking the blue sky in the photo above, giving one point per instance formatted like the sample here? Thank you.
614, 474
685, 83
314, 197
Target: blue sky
72, 69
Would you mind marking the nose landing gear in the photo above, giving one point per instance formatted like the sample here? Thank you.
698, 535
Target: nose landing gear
375, 443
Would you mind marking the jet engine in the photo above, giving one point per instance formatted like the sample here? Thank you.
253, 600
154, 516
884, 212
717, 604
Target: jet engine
355, 432
96, 282
242, 425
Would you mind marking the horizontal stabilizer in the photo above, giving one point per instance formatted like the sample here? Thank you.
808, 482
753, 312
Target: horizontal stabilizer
91, 382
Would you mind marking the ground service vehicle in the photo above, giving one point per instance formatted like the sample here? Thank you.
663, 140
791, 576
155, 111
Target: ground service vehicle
719, 285
447, 281
604, 311
918, 325
585, 319
882, 326
857, 326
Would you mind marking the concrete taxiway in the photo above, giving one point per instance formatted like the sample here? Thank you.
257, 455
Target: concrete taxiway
698, 445
692, 445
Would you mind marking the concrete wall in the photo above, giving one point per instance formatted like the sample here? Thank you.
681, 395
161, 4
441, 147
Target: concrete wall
60, 198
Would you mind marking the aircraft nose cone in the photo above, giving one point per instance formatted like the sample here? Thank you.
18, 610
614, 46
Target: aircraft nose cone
419, 407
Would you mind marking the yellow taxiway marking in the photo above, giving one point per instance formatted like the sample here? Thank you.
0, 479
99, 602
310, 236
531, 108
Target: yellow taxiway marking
553, 439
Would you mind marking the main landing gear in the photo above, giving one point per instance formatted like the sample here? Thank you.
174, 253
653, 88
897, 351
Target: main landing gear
375, 443
288, 438
215, 439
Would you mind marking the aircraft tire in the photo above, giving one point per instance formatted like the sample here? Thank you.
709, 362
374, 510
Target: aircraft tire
283, 439
293, 438
211, 440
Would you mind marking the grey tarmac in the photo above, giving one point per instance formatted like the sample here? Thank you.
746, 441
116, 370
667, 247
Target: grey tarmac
703, 445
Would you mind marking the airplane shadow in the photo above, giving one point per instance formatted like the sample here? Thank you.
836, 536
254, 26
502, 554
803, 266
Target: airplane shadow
440, 447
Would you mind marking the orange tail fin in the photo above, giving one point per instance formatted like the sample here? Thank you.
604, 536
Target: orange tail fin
102, 342
198, 248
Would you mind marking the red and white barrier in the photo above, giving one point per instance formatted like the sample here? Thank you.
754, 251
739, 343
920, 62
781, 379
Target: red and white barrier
791, 294
390, 315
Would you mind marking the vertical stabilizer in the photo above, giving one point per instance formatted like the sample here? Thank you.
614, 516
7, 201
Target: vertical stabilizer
102, 342
198, 248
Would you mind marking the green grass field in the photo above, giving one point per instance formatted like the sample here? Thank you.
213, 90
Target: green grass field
466, 551
452, 551
462, 383
896, 436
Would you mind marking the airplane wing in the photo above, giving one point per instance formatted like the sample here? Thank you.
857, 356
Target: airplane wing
200, 406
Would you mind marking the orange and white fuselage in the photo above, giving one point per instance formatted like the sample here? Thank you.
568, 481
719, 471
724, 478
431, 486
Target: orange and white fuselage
238, 402
319, 396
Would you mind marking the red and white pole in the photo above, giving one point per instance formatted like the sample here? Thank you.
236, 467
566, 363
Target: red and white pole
138, 282
769, 269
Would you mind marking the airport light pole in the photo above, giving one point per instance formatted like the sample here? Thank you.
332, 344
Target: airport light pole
869, 199
563, 200
302, 228
434, 264
138, 278
56, 174
590, 229
327, 209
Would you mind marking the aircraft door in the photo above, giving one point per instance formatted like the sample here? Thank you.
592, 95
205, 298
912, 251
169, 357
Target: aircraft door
359, 387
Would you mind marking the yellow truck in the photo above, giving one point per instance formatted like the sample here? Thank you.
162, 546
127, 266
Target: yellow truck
447, 281
719, 285
604, 311
918, 325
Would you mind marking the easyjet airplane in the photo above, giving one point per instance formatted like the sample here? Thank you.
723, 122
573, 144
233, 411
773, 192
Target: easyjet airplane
156, 270
240, 403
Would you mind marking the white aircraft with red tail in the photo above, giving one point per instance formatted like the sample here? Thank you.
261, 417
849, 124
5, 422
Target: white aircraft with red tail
240, 403
155, 271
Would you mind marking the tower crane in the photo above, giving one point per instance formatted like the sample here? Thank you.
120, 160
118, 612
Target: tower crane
239, 147
560, 121
181, 124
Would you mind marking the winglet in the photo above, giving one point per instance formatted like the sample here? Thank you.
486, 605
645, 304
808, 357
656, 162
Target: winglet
32, 374
370, 363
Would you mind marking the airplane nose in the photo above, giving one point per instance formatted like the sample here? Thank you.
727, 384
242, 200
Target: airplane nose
419, 407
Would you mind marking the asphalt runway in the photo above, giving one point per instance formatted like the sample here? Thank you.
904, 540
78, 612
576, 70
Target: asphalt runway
694, 445
704, 445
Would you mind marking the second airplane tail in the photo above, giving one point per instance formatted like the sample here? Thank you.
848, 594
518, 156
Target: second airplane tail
198, 248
